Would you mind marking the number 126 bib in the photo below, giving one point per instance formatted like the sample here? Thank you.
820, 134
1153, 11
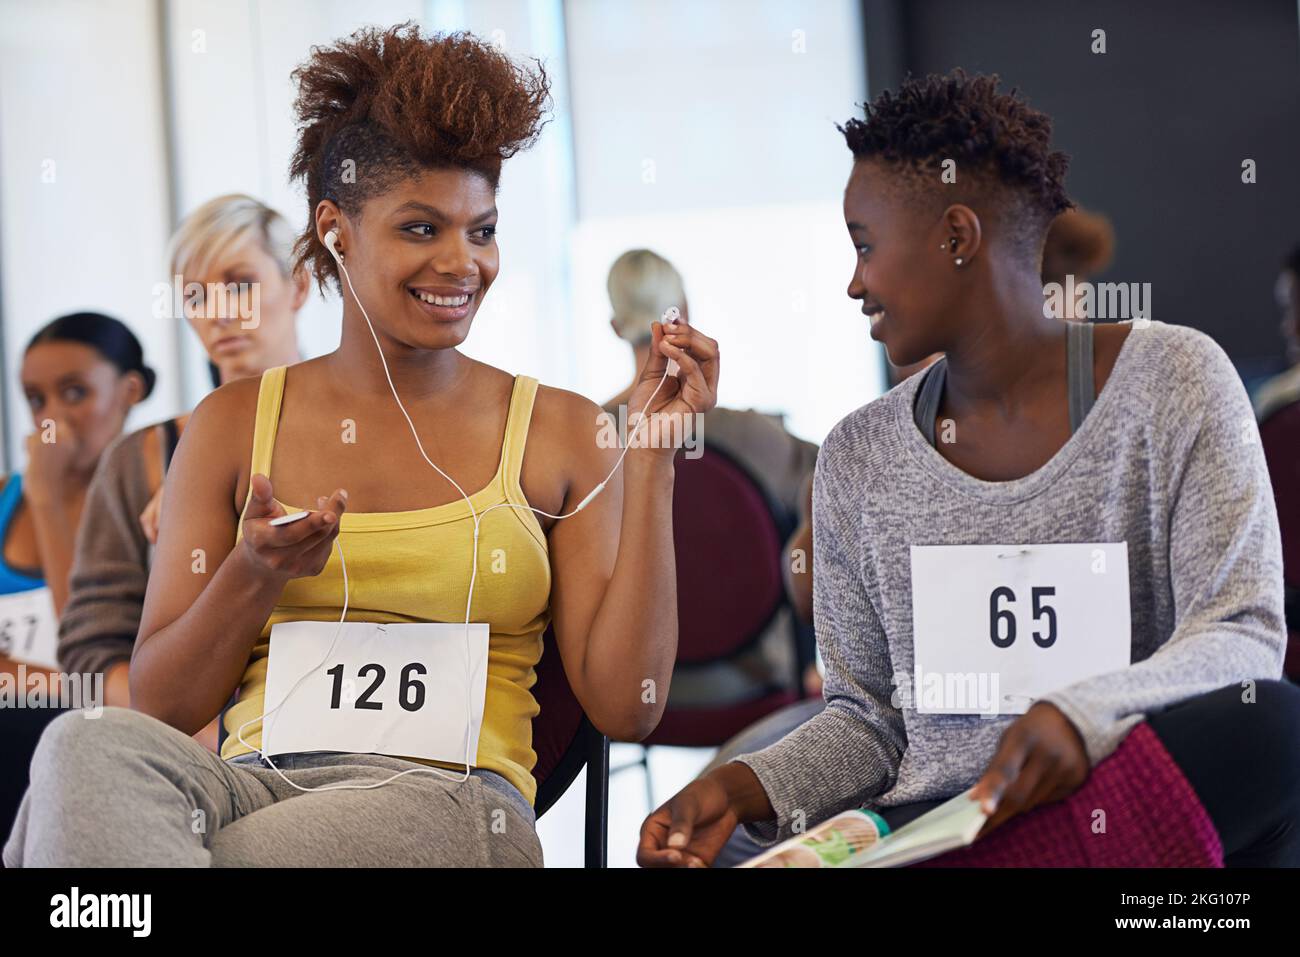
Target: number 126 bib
997, 626
407, 690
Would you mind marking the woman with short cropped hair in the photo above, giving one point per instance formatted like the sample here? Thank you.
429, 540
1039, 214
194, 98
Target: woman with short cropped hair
1111, 473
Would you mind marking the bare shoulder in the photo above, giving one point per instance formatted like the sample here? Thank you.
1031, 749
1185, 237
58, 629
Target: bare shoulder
570, 420
564, 401
218, 437
227, 406
562, 451
578, 442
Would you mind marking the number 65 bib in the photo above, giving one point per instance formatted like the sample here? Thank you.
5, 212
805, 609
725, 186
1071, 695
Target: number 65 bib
997, 626
406, 690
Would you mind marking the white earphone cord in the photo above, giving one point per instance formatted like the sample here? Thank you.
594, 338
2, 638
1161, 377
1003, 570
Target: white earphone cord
473, 574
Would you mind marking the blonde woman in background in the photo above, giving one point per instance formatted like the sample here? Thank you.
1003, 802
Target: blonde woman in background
642, 286
230, 239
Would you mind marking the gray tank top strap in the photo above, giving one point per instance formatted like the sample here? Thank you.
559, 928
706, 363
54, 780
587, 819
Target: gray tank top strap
1078, 360
928, 396
1081, 386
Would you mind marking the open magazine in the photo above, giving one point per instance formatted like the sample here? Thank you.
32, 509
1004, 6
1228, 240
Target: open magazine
861, 838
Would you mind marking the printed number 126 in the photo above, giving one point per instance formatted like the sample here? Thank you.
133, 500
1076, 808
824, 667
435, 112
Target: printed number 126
410, 693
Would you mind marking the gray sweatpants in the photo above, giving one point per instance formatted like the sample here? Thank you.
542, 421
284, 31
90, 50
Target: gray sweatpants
127, 790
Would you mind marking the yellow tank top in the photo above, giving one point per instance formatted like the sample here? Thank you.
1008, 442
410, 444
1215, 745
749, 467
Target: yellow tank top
415, 567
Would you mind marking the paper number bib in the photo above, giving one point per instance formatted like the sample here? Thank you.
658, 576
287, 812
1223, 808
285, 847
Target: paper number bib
997, 626
403, 690
29, 629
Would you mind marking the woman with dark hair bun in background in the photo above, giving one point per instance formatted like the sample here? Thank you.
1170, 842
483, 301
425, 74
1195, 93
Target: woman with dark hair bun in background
81, 375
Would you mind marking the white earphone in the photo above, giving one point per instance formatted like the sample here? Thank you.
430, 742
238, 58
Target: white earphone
331, 243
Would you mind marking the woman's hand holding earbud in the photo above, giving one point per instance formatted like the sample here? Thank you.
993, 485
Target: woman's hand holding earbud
682, 397
297, 550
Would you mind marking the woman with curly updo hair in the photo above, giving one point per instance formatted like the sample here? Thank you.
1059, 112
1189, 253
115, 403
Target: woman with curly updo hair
1047, 571
430, 488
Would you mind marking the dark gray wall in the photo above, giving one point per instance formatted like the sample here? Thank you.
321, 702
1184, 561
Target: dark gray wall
1156, 128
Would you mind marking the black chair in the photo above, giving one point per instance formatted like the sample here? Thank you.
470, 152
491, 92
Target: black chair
590, 750
565, 742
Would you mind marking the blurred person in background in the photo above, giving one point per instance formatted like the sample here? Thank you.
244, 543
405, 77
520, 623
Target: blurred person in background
1079, 244
81, 375
642, 286
229, 239
1284, 389
1277, 409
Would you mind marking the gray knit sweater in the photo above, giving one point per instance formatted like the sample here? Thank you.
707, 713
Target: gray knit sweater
1168, 460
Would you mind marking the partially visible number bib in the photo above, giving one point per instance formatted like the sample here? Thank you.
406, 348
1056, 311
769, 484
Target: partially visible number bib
400, 689
997, 626
29, 628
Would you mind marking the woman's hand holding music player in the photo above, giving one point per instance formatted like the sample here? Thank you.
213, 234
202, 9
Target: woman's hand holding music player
297, 548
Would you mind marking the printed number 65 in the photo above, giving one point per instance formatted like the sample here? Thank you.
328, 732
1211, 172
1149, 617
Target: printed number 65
1004, 619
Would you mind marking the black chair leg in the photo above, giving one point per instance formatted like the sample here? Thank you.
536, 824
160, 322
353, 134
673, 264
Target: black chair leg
649, 785
596, 839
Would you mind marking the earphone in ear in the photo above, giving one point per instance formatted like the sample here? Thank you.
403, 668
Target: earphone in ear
331, 241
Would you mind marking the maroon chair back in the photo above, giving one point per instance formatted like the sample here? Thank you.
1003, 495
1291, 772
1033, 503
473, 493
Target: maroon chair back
557, 724
729, 553
566, 742
729, 542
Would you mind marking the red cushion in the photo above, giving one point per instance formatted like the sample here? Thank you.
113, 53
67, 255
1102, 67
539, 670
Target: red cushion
729, 555
1153, 819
